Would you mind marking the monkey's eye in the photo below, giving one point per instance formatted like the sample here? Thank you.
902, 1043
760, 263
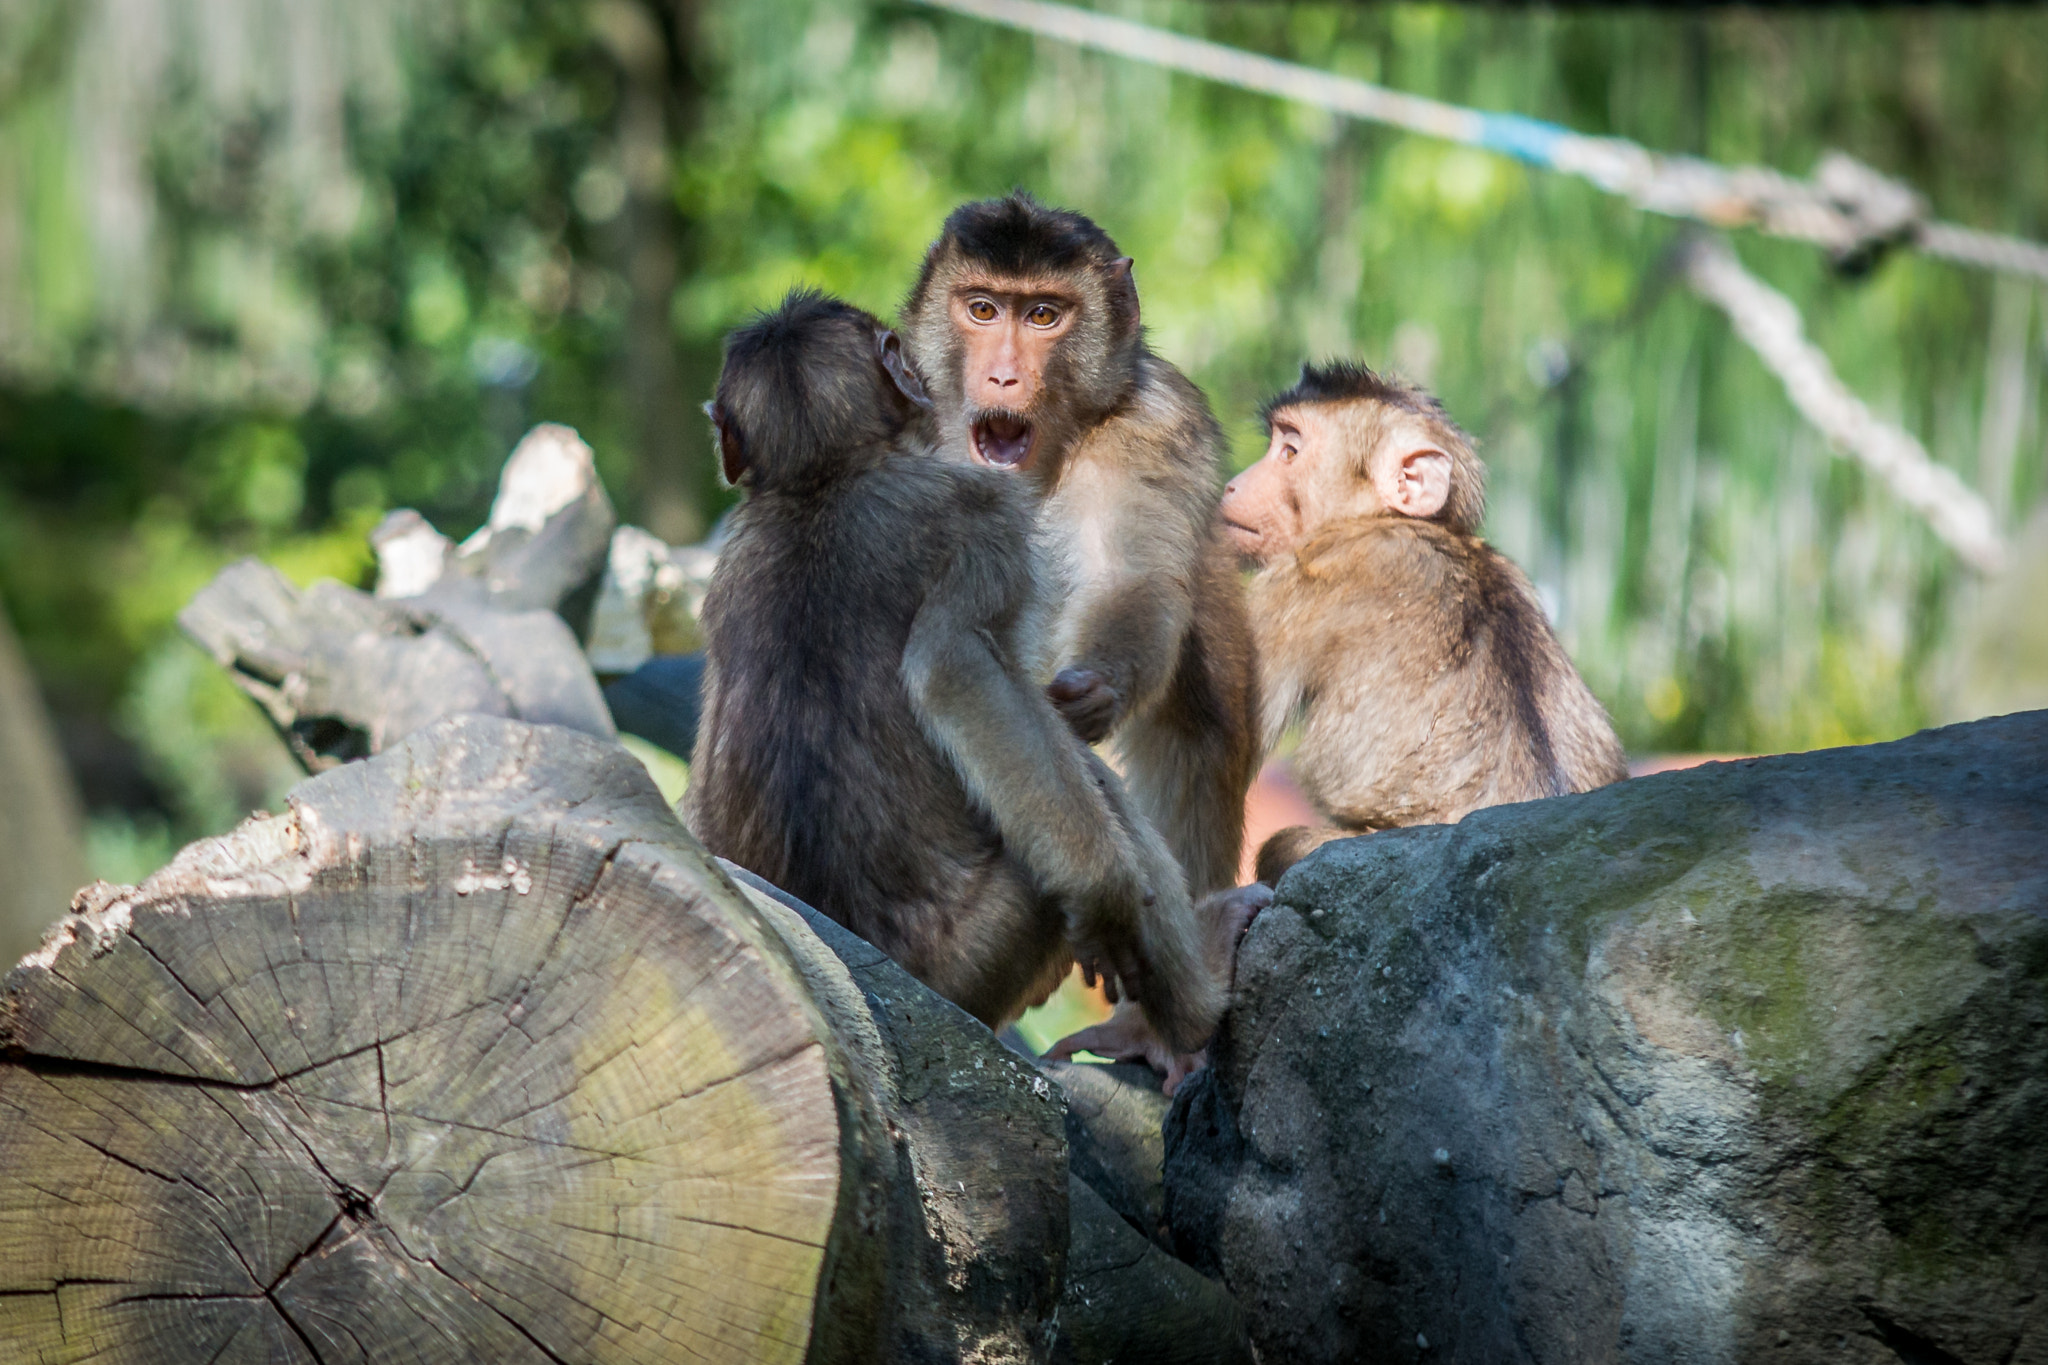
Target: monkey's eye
981, 310
1042, 315
1287, 453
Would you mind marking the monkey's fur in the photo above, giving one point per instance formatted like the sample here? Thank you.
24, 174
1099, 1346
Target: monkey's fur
1150, 645
870, 742
1415, 656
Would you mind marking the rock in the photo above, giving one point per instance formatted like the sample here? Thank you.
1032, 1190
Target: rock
1748, 1062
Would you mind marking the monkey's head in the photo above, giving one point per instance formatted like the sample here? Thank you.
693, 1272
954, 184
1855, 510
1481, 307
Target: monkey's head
813, 389
1025, 322
1346, 443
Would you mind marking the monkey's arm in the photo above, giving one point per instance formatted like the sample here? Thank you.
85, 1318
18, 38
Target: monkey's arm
1059, 809
1124, 653
1003, 738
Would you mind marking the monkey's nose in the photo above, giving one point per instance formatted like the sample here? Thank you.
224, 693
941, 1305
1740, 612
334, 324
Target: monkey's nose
1002, 381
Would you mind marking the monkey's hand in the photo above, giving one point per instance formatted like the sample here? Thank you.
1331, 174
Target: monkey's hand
1126, 1037
1086, 701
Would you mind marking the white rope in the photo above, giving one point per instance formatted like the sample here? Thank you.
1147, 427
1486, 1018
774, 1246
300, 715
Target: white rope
1846, 206
1769, 322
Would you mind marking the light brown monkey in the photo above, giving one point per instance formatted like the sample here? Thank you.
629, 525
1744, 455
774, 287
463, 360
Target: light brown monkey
870, 741
1414, 655
1024, 322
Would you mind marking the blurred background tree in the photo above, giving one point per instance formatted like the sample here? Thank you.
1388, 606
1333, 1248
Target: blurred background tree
269, 270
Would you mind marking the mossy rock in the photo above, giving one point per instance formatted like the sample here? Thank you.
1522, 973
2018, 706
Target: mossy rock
1743, 1063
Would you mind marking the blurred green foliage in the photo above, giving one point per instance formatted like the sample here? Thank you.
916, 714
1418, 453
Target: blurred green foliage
267, 271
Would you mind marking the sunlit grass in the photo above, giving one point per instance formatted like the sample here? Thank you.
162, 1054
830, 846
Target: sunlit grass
670, 773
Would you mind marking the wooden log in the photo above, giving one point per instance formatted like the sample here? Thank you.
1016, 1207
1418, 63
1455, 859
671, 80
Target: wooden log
474, 1055
1742, 1063
1126, 1302
543, 545
342, 674
647, 601
1115, 1140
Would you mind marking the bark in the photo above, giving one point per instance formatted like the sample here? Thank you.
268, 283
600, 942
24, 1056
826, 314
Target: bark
1740, 1063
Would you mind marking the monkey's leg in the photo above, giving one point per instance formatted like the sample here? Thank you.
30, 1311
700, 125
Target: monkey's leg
1284, 848
1008, 949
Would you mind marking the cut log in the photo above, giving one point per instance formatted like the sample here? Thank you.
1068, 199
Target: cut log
342, 674
1119, 1299
474, 1055
1743, 1063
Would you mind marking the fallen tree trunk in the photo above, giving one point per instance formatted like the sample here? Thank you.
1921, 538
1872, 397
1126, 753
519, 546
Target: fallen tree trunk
474, 1056
1743, 1063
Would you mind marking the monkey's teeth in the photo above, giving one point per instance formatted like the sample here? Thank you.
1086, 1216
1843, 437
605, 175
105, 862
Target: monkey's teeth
1003, 441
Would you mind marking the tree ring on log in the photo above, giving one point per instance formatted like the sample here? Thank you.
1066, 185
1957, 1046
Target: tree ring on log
466, 1058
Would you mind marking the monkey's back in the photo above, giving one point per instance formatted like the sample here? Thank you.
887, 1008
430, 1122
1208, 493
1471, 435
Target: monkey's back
811, 768
1432, 685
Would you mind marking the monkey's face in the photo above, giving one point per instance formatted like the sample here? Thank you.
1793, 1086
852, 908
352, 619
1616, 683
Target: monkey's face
1262, 507
1010, 334
1330, 462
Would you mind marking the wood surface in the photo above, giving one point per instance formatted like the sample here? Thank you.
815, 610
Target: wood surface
474, 1054
465, 1058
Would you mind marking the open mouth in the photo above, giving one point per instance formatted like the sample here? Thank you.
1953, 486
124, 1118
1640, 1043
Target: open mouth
1002, 439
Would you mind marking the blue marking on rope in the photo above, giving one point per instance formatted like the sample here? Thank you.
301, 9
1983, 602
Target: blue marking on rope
1525, 139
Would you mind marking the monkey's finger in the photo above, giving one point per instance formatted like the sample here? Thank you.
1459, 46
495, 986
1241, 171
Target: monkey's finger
1179, 1067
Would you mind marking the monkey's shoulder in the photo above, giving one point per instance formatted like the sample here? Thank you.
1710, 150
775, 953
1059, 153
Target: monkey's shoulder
1163, 432
1389, 549
1401, 568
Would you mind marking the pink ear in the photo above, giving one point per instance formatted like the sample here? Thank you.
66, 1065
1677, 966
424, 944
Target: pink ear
1418, 484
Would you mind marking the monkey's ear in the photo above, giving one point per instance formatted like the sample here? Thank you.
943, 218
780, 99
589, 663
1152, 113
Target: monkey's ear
732, 458
1120, 282
889, 347
1418, 484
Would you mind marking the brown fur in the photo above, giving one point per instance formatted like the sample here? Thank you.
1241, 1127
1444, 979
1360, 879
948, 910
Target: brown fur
1415, 656
1150, 644
870, 742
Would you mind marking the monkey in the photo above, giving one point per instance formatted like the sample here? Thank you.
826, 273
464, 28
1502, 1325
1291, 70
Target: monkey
1415, 656
1024, 322
870, 741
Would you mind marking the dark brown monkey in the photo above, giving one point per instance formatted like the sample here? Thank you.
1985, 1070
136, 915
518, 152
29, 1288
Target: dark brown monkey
870, 741
1024, 322
1414, 655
